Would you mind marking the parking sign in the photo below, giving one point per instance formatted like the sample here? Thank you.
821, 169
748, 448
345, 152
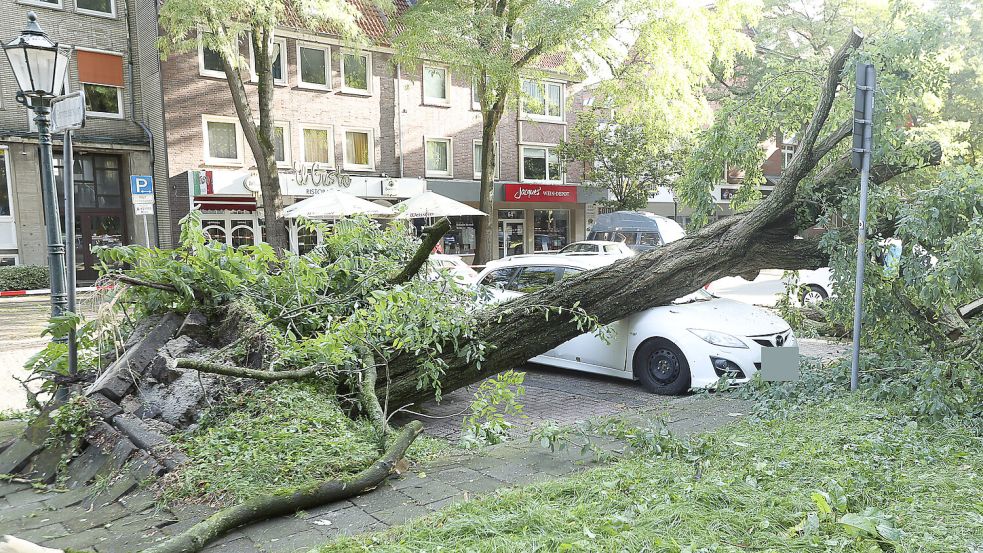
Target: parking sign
141, 185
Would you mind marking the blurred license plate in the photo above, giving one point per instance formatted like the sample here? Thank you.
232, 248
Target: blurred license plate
780, 364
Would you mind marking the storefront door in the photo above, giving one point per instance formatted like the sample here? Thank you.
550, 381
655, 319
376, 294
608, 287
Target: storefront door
100, 215
511, 232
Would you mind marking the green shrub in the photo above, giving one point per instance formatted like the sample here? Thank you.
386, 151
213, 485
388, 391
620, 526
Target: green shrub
23, 277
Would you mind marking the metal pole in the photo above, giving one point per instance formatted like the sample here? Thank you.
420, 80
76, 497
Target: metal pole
68, 181
146, 231
56, 248
858, 292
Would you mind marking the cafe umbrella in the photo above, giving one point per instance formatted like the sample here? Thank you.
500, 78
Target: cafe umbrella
335, 204
430, 205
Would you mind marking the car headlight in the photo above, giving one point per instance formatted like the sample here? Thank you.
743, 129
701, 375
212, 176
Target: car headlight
718, 338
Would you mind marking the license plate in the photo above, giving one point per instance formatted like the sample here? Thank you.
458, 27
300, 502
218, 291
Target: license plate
780, 364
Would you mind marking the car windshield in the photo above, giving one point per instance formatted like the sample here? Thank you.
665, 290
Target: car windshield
699, 295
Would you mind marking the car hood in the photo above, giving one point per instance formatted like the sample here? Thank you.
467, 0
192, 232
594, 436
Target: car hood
722, 315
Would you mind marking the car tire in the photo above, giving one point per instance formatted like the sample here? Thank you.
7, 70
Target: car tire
812, 294
661, 367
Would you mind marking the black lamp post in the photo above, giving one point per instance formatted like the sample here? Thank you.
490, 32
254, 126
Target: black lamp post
39, 66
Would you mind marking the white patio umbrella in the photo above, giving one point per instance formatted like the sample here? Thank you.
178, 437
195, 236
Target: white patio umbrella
334, 204
430, 205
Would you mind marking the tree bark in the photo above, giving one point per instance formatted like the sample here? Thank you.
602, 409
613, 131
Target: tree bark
289, 501
486, 234
243, 372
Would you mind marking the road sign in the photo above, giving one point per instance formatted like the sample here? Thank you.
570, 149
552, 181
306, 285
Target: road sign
863, 100
141, 185
143, 209
68, 112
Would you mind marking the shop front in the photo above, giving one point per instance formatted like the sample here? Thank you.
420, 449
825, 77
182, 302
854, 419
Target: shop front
529, 218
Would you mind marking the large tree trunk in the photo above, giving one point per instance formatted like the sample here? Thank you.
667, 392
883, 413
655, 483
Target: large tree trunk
487, 233
762, 238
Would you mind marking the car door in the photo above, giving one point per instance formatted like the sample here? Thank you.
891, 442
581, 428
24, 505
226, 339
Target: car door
590, 348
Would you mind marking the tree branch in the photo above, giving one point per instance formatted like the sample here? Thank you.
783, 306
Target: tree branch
242, 372
291, 500
145, 283
431, 235
831, 140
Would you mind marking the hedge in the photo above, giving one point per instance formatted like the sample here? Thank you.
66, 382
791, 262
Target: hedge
24, 277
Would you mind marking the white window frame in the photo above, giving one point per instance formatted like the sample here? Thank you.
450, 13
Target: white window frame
522, 165
58, 6
349, 166
327, 66
284, 69
498, 159
240, 152
287, 151
788, 152
104, 114
108, 15
449, 173
10, 188
544, 117
430, 100
201, 62
368, 72
303, 143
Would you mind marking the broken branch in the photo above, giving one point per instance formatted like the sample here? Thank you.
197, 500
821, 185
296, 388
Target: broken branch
431, 235
242, 372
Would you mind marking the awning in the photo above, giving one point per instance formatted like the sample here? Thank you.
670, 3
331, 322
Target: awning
216, 203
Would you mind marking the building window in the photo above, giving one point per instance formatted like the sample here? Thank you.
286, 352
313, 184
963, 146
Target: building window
281, 144
461, 238
105, 8
6, 203
436, 85
551, 229
313, 63
355, 71
788, 151
318, 145
56, 4
359, 153
543, 100
209, 62
223, 145
101, 75
279, 64
541, 164
476, 157
439, 152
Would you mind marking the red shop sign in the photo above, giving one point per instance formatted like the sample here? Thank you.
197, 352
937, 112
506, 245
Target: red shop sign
540, 193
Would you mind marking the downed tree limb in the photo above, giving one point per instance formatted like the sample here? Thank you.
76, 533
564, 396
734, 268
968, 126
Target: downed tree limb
289, 501
431, 235
367, 396
243, 372
145, 283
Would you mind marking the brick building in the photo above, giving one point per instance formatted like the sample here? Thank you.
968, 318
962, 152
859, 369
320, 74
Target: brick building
115, 63
393, 131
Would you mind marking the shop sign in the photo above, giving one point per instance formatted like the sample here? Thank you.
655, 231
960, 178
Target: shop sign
540, 193
308, 179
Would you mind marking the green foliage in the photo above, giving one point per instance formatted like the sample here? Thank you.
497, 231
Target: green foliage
264, 439
495, 399
623, 158
850, 476
69, 424
24, 277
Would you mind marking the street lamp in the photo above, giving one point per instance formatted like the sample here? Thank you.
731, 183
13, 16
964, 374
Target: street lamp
39, 66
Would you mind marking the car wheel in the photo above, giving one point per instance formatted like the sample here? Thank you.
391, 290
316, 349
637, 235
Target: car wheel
812, 294
661, 367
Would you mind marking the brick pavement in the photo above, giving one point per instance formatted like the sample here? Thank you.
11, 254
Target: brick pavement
131, 522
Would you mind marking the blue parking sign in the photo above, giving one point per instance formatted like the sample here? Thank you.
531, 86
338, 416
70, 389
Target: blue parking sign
141, 185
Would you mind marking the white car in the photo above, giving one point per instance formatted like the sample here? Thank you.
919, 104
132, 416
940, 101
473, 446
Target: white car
691, 343
597, 247
459, 270
814, 286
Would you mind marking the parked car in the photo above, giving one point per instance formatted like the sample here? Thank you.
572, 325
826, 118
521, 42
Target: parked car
639, 230
459, 270
597, 247
816, 286
691, 343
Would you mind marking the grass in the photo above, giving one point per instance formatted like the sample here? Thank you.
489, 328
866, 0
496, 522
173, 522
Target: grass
851, 475
286, 434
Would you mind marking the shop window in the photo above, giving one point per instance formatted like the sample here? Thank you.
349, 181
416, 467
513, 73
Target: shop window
101, 75
462, 236
541, 164
476, 157
278, 67
355, 70
542, 100
96, 7
551, 229
242, 233
318, 147
439, 155
359, 153
222, 143
313, 63
232, 229
436, 85
6, 207
534, 279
